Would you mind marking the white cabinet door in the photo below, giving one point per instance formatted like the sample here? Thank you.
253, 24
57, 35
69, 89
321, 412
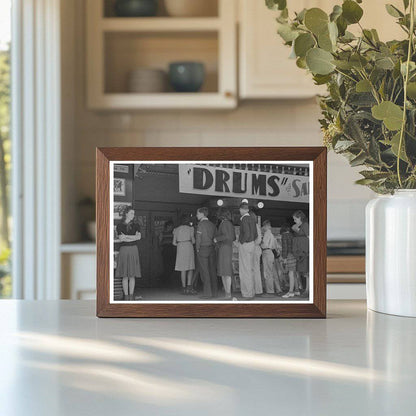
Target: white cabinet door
265, 68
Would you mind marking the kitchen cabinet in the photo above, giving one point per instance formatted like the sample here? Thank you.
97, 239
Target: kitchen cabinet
265, 70
118, 45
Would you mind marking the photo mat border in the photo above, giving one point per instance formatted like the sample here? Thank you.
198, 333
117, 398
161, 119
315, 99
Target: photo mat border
277, 162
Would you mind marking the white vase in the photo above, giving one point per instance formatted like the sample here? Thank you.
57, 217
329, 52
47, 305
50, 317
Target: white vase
391, 253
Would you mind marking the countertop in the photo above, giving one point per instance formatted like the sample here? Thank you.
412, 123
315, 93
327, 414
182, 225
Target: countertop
57, 358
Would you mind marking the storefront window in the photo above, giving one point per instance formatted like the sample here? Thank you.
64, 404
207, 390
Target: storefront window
5, 148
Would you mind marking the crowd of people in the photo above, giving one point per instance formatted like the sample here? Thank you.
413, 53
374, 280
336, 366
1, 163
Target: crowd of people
267, 266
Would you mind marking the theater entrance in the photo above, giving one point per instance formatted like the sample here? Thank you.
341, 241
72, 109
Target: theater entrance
151, 225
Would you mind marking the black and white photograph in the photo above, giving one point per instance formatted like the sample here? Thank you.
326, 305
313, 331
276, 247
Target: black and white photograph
211, 232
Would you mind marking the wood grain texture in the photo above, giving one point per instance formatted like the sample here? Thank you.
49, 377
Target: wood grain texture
227, 310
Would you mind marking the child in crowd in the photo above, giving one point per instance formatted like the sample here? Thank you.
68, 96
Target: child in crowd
268, 244
289, 260
301, 247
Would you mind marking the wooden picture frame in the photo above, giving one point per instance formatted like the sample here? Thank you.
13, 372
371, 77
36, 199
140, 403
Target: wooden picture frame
317, 159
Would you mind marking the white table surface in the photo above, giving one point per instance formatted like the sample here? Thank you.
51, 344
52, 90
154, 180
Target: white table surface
57, 358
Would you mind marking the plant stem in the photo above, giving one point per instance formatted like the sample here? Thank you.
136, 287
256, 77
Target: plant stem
373, 89
346, 75
406, 80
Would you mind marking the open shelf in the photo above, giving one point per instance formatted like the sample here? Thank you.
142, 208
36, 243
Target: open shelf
116, 46
127, 51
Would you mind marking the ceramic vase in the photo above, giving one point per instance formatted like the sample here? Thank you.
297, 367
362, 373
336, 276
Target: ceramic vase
391, 253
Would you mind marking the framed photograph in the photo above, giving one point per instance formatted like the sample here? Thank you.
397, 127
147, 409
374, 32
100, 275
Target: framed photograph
212, 232
119, 188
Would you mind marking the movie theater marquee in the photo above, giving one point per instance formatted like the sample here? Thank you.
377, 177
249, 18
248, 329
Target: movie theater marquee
224, 182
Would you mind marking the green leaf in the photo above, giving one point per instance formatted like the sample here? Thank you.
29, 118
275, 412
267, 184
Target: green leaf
286, 32
406, 4
363, 86
300, 17
321, 79
391, 114
343, 145
276, 4
343, 65
319, 61
375, 175
301, 63
393, 11
374, 150
336, 12
375, 35
394, 145
342, 25
347, 37
325, 43
358, 160
333, 32
361, 99
412, 67
303, 43
316, 20
353, 130
385, 63
411, 90
358, 61
364, 181
351, 11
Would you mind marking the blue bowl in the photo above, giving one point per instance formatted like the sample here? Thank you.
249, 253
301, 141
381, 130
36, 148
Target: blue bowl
136, 8
186, 76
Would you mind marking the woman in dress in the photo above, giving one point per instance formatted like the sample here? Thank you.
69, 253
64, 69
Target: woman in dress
128, 264
301, 247
225, 237
184, 240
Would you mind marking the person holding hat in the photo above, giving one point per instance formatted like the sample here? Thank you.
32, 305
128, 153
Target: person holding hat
247, 237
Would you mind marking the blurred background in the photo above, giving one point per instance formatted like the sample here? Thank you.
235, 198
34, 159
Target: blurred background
100, 73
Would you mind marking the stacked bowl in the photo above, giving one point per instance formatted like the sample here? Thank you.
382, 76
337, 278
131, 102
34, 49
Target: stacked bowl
147, 80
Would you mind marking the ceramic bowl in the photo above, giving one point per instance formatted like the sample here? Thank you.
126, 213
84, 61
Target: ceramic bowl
136, 8
186, 76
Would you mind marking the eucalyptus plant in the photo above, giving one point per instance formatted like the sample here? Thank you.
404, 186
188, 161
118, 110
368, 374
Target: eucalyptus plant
369, 112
